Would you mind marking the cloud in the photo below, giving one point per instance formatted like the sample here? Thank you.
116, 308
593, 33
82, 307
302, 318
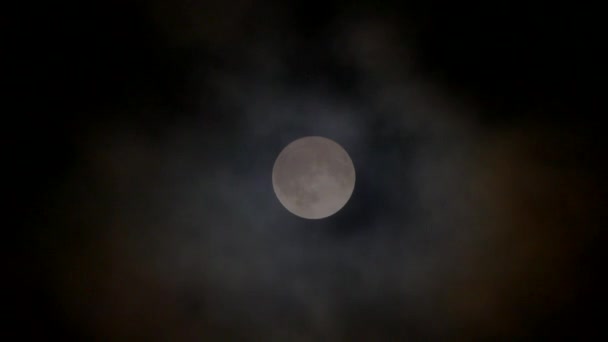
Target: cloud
183, 237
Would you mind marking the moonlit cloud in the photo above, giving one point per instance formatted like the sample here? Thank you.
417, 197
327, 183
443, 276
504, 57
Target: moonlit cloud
175, 233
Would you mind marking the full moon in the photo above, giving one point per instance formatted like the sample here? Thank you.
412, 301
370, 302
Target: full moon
313, 177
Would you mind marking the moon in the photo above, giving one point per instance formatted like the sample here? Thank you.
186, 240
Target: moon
313, 177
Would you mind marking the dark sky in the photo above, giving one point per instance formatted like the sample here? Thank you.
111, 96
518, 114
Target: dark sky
141, 137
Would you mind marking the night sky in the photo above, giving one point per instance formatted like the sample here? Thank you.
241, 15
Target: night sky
140, 137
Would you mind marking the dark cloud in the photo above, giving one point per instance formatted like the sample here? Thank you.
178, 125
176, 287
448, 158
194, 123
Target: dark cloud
471, 217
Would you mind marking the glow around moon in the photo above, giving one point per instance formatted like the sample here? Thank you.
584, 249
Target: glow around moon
313, 177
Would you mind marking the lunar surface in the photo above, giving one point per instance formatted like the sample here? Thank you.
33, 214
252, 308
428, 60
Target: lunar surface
313, 177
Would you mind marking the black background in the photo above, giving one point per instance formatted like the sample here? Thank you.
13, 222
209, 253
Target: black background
140, 136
